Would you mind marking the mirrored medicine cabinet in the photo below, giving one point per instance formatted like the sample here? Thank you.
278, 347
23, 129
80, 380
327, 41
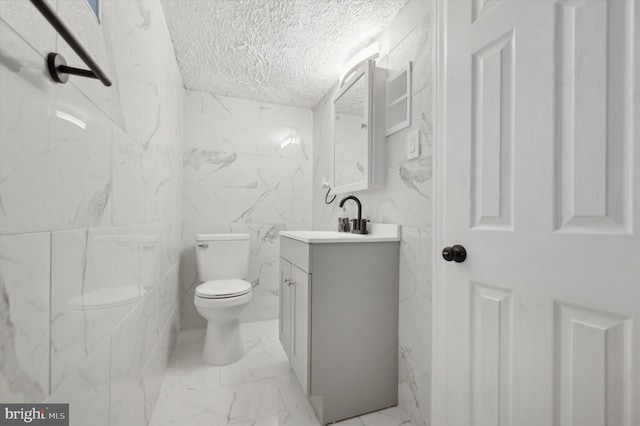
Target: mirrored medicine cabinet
359, 127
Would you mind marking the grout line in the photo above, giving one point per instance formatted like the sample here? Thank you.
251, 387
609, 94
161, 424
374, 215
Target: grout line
89, 228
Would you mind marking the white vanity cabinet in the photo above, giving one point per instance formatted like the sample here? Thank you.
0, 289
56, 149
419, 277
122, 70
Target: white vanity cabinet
339, 320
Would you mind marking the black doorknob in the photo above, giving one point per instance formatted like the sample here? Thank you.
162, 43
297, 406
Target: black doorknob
456, 253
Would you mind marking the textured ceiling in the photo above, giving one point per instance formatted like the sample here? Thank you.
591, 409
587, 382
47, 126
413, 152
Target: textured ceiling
281, 51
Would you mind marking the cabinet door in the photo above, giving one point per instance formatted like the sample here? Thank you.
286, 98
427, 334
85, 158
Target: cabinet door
300, 345
285, 291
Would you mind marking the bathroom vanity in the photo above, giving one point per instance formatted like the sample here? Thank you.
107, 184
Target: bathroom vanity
339, 318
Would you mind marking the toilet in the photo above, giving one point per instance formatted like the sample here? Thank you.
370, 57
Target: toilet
223, 262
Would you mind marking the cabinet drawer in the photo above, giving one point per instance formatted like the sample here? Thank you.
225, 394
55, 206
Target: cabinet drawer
296, 252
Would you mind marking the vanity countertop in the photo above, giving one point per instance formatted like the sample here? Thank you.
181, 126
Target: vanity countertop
378, 232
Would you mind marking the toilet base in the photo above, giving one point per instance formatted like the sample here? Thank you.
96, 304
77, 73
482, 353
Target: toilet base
223, 343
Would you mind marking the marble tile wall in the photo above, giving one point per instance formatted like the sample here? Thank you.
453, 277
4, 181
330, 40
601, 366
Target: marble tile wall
90, 211
247, 168
406, 198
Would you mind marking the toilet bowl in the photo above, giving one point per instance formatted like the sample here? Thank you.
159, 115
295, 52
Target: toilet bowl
223, 341
223, 260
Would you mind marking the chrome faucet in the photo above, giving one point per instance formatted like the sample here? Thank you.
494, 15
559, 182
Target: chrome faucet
359, 224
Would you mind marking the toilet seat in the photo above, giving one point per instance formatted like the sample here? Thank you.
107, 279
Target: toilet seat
223, 289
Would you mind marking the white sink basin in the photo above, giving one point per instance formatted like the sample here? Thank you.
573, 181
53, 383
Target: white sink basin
378, 232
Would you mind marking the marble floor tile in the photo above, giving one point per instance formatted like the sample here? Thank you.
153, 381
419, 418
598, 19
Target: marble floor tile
258, 390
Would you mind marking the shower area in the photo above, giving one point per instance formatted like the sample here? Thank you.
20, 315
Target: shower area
90, 207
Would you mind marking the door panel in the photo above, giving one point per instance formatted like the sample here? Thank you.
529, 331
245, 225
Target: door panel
592, 367
285, 307
300, 344
593, 136
538, 180
492, 133
491, 358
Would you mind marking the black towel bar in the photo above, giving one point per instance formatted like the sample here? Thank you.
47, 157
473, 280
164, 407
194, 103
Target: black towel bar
57, 66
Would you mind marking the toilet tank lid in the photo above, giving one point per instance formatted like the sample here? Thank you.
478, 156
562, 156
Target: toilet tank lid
221, 237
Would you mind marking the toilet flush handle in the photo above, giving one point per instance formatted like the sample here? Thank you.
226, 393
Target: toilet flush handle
203, 246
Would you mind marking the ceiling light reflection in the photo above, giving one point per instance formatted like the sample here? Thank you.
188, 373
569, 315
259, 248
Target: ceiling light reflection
71, 119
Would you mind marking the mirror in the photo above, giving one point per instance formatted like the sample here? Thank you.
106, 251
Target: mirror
358, 131
350, 134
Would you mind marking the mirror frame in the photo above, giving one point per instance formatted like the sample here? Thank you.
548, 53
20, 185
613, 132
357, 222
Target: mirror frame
366, 183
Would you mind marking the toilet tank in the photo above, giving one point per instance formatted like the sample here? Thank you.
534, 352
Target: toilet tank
222, 256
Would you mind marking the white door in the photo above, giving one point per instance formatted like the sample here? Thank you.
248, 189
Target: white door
538, 179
